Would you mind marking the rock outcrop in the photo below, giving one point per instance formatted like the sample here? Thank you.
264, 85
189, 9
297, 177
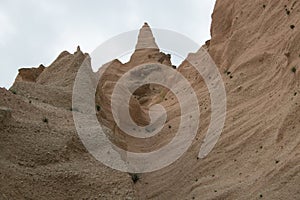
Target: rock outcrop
255, 45
53, 84
146, 39
146, 52
29, 75
5, 115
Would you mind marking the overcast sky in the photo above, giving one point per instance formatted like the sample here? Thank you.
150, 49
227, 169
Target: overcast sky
34, 32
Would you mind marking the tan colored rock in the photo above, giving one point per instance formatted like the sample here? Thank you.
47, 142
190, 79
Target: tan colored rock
115, 69
62, 71
146, 39
256, 157
52, 84
29, 74
5, 115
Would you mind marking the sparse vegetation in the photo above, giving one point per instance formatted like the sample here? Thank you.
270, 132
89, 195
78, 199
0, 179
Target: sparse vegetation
134, 177
292, 26
13, 91
287, 54
45, 120
228, 73
98, 108
74, 109
294, 69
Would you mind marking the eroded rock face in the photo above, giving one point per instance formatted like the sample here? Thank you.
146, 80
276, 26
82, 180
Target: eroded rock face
52, 84
115, 69
146, 53
256, 156
62, 72
5, 115
29, 74
255, 44
146, 39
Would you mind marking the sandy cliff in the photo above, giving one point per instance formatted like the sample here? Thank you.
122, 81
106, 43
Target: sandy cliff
256, 46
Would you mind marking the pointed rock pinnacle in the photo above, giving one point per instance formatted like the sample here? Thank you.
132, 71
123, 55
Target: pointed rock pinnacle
146, 39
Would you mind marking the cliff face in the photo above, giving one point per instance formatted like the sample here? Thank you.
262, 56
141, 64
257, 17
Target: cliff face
52, 85
146, 52
256, 46
29, 75
241, 30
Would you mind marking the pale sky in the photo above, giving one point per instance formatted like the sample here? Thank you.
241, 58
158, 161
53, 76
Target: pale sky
34, 32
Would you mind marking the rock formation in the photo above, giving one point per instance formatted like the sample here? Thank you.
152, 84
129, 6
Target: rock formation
256, 47
54, 84
146, 39
29, 75
143, 96
5, 115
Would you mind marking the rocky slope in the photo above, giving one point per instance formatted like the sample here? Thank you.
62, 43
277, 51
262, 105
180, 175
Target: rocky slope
257, 49
256, 46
